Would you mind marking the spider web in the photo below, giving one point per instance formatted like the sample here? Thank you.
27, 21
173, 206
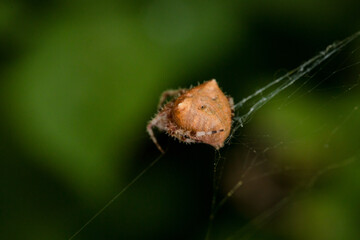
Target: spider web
258, 165
254, 158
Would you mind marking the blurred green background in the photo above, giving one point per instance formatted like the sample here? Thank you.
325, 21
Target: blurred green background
80, 80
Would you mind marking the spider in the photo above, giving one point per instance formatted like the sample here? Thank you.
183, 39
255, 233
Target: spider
202, 114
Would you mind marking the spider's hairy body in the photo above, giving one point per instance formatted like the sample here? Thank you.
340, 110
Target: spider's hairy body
202, 114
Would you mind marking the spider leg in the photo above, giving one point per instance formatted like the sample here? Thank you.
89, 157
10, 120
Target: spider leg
149, 129
232, 106
169, 93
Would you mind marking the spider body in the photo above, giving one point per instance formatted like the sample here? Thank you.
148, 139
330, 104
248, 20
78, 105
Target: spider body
202, 114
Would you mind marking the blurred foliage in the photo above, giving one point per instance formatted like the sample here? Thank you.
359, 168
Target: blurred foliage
80, 80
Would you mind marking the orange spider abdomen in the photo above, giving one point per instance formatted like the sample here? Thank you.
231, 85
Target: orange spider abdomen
205, 112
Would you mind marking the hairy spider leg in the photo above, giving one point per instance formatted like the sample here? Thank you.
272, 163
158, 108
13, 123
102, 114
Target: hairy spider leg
149, 129
169, 93
158, 122
232, 106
